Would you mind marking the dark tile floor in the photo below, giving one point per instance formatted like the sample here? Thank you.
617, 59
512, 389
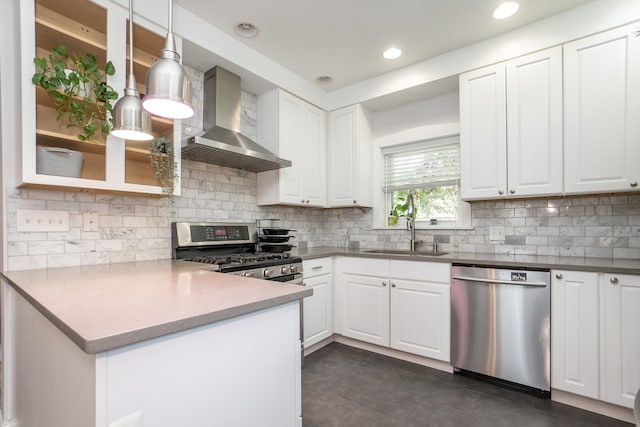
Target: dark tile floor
345, 386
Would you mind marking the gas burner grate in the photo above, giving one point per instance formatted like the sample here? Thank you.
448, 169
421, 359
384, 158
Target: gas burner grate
238, 259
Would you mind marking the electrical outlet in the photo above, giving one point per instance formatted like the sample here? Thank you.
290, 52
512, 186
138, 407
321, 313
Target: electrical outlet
39, 220
496, 233
90, 222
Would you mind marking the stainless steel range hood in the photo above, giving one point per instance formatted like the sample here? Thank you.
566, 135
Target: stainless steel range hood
222, 143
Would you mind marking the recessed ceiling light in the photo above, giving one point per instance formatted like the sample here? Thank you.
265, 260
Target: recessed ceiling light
324, 80
392, 53
246, 29
506, 9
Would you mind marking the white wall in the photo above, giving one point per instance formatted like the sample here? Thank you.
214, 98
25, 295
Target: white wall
441, 109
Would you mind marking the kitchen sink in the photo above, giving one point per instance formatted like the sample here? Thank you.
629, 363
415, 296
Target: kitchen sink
405, 252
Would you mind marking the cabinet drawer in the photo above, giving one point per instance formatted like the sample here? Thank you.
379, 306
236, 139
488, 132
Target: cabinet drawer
421, 270
366, 266
316, 267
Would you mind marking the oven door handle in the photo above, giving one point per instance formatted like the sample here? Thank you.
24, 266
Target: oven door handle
499, 282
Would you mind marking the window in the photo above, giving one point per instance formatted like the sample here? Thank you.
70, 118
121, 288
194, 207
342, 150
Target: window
431, 170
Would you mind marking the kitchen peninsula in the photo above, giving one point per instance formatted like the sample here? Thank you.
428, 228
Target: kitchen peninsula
156, 343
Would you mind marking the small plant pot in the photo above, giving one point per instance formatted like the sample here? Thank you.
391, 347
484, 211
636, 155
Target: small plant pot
84, 89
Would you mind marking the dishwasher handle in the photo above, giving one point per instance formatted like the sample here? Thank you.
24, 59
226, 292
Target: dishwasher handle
500, 282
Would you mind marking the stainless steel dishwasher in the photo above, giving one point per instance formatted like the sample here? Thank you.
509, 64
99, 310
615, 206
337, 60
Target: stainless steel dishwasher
500, 326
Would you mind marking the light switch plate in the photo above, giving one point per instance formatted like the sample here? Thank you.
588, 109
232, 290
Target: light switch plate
89, 222
29, 220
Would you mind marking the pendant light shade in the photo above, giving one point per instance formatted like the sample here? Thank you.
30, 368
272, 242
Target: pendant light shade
130, 120
168, 85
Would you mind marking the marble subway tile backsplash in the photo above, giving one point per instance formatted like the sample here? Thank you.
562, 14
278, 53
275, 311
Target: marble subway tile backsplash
138, 228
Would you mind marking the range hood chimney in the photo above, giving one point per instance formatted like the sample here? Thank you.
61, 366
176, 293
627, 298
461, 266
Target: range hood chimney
222, 143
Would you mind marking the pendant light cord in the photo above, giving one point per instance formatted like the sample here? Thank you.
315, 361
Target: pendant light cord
170, 42
131, 81
170, 27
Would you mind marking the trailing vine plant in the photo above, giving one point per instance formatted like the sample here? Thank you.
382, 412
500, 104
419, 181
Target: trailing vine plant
66, 79
162, 158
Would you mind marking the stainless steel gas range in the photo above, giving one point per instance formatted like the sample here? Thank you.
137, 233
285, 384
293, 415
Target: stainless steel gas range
231, 248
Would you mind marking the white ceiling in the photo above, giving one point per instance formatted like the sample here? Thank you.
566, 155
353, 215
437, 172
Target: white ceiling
344, 39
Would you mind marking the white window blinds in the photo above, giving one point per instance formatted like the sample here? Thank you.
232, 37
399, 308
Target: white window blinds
422, 165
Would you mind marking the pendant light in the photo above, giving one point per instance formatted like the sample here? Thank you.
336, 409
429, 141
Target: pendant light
168, 86
130, 120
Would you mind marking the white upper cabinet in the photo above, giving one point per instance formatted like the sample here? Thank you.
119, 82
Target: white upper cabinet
48, 147
297, 131
602, 112
511, 128
483, 136
350, 157
534, 124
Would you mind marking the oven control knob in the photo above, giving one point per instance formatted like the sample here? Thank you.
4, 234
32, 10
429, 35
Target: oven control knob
284, 270
267, 272
293, 269
248, 274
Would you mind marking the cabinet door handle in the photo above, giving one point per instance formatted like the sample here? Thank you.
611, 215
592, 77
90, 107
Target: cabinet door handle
634, 184
302, 201
500, 192
558, 275
317, 267
384, 283
614, 280
355, 202
393, 285
512, 191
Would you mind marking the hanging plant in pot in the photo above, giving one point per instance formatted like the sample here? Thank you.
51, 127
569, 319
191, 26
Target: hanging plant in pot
78, 90
162, 158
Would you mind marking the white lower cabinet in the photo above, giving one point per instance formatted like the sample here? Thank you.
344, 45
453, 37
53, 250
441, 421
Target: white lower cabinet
420, 308
399, 304
621, 338
595, 340
365, 308
574, 332
317, 309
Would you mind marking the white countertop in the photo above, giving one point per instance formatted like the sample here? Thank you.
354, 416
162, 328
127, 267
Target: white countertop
606, 265
109, 306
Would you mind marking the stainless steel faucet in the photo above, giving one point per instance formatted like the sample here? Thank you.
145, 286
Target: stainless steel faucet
411, 220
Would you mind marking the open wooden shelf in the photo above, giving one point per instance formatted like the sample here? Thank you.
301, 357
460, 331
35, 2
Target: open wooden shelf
80, 11
46, 124
53, 29
122, 166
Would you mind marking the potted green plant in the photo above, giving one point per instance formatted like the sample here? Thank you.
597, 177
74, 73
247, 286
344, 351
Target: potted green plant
162, 158
78, 90
398, 210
